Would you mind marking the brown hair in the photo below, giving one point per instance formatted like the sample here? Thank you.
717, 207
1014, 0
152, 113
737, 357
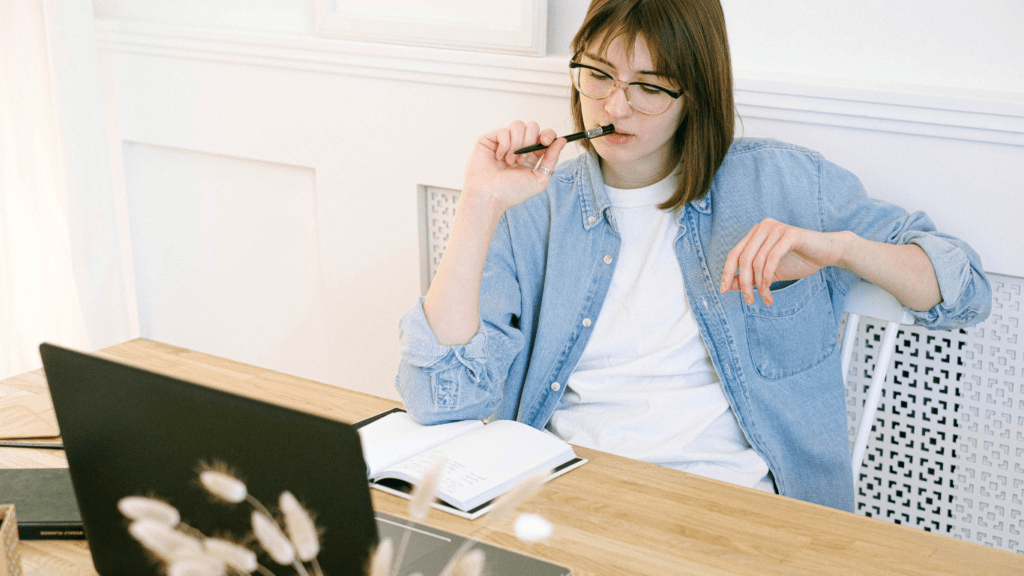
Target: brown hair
688, 43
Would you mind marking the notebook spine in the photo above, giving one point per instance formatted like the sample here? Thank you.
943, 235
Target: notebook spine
51, 531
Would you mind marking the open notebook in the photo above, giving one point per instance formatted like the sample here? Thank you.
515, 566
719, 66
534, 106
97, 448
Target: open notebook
482, 461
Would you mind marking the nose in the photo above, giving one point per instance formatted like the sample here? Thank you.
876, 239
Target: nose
617, 103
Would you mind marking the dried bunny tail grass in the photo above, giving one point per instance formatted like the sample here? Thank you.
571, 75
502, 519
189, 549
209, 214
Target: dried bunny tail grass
380, 562
223, 486
503, 506
272, 539
237, 557
509, 501
139, 507
300, 527
422, 497
201, 565
532, 528
425, 490
471, 564
164, 541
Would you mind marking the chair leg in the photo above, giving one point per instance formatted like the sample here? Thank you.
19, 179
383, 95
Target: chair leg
867, 418
849, 336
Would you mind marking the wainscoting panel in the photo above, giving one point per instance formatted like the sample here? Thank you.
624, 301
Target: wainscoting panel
226, 254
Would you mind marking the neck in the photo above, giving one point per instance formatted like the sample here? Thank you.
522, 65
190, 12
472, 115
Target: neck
637, 174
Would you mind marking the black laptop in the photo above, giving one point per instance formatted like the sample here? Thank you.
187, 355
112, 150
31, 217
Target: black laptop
128, 431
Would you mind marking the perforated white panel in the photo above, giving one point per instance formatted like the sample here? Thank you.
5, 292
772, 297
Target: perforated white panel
947, 451
947, 448
438, 214
991, 482
910, 462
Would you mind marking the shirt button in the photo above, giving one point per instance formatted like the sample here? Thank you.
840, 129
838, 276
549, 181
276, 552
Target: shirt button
555, 386
591, 219
607, 259
703, 204
586, 322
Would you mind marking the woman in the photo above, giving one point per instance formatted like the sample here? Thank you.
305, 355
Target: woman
672, 295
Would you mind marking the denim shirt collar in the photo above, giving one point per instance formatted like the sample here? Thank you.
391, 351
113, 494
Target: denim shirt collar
595, 203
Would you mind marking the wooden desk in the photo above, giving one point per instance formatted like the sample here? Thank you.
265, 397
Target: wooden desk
612, 516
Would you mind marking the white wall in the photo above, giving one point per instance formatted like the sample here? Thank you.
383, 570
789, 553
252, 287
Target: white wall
271, 175
925, 44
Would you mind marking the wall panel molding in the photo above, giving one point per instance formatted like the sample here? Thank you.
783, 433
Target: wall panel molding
980, 117
508, 27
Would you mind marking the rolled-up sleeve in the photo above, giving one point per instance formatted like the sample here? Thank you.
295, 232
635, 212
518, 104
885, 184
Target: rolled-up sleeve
445, 383
966, 292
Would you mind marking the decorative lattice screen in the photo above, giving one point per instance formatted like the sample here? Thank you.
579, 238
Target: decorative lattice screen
437, 213
947, 450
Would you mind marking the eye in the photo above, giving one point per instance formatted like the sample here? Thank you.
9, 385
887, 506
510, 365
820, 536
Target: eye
598, 75
650, 89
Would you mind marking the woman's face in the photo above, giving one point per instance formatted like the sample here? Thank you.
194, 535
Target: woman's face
641, 151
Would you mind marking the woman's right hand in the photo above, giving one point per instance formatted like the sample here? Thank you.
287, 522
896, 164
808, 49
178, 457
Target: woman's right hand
501, 179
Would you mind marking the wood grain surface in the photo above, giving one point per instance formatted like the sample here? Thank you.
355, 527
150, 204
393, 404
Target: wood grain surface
612, 516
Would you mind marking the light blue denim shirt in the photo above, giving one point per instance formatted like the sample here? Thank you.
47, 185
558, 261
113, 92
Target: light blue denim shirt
551, 261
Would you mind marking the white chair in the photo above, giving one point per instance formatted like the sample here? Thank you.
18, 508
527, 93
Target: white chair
866, 299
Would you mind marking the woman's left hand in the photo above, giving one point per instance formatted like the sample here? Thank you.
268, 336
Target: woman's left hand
773, 251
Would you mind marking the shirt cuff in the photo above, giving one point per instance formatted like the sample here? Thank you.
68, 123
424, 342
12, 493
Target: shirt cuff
952, 268
419, 345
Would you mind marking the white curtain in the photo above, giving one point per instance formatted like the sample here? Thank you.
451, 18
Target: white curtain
62, 262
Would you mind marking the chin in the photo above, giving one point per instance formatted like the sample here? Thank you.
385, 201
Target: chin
616, 152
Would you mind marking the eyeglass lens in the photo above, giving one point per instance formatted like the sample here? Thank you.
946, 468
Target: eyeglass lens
598, 86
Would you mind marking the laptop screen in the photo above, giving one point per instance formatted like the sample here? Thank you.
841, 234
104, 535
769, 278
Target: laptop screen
129, 432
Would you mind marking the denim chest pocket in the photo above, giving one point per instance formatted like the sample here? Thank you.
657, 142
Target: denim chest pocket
795, 333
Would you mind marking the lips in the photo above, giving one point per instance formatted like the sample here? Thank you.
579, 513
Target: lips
618, 138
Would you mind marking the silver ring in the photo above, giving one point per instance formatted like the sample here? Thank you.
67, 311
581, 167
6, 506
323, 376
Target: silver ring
543, 170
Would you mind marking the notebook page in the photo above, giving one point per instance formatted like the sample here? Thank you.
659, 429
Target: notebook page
397, 436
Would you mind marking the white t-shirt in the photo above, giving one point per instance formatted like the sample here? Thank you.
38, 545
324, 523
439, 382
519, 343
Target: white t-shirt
645, 387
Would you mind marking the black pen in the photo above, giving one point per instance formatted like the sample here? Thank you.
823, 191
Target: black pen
588, 134
57, 446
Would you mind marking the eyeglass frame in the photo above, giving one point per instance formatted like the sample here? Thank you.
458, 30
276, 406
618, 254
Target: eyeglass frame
616, 83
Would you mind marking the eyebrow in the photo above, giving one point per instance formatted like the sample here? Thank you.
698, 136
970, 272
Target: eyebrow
612, 66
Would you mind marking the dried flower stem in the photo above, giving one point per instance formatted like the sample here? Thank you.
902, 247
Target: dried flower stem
422, 497
182, 527
380, 560
273, 540
509, 501
258, 506
503, 507
450, 566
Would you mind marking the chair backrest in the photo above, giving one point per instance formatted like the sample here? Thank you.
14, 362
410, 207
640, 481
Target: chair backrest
866, 299
947, 445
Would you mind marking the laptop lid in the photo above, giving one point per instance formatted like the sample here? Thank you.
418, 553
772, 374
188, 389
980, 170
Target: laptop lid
128, 431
